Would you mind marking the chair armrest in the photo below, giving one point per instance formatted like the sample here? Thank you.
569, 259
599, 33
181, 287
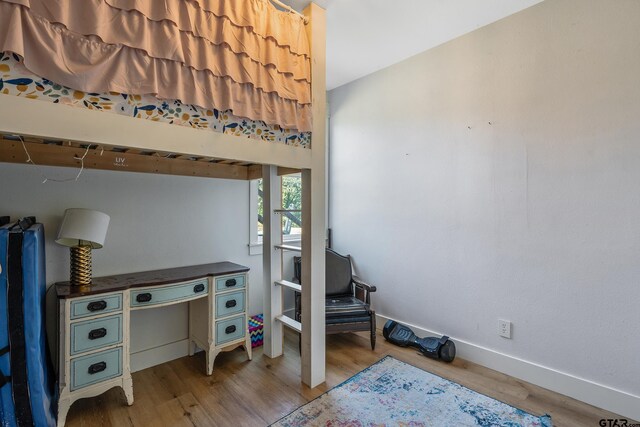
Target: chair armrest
362, 284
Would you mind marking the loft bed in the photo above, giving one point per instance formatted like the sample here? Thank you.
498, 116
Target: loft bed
50, 133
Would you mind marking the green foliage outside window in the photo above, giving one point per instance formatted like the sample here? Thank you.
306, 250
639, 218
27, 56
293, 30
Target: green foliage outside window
291, 199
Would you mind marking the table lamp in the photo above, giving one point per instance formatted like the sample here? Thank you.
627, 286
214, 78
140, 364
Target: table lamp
82, 230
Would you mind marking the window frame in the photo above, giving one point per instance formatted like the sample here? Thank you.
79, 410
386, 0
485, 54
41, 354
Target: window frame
255, 240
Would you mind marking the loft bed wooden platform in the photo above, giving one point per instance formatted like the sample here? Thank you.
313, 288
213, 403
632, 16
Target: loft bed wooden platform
57, 135
62, 123
46, 152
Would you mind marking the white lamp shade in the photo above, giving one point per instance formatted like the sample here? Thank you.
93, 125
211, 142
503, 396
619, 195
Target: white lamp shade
83, 226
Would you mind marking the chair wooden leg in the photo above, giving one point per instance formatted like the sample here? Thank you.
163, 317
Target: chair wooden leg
373, 331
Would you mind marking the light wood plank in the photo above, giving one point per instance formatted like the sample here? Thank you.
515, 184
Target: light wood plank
255, 171
67, 156
290, 285
288, 248
287, 171
314, 214
271, 262
261, 391
290, 323
67, 123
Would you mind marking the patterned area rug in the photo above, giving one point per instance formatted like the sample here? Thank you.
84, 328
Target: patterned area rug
393, 393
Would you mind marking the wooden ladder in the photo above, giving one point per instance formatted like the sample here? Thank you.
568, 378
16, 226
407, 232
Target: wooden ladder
285, 284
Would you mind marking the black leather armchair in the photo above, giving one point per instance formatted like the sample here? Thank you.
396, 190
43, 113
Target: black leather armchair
348, 299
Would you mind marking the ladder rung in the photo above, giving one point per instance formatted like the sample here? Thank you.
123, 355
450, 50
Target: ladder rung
290, 323
288, 248
287, 210
290, 285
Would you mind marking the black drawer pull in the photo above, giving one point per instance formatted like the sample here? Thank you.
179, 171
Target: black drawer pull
198, 288
231, 303
97, 305
97, 367
231, 282
230, 329
145, 297
97, 333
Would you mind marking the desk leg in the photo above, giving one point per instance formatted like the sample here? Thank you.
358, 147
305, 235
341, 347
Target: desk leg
63, 410
127, 388
211, 357
247, 345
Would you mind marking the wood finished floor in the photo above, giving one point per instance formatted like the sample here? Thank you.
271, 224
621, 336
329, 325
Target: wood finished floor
257, 393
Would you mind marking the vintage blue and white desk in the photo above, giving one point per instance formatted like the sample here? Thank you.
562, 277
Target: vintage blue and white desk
94, 337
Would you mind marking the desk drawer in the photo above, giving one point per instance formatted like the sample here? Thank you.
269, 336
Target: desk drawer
172, 293
229, 303
88, 370
228, 283
230, 330
95, 334
94, 306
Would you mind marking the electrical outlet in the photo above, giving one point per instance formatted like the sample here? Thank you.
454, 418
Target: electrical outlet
504, 328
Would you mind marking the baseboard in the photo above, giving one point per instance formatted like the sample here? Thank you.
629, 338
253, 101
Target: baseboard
157, 355
595, 394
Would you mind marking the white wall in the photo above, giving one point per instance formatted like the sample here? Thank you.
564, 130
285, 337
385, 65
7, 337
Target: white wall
497, 176
157, 221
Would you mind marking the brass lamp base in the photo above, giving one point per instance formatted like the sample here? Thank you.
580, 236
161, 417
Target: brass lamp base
81, 265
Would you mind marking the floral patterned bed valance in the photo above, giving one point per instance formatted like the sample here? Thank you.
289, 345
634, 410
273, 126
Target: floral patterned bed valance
238, 55
16, 80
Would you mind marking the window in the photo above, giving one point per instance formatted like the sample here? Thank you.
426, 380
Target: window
292, 200
291, 221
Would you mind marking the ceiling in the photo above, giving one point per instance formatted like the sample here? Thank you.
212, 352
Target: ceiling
364, 36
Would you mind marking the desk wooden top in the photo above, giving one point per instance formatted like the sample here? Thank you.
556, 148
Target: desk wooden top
120, 282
